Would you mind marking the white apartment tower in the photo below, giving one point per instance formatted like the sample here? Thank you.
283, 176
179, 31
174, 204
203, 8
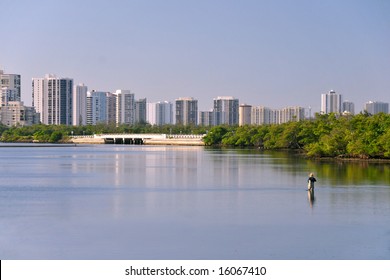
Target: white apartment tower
164, 113
290, 114
245, 112
331, 103
160, 113
261, 115
186, 111
125, 107
375, 107
151, 117
10, 88
206, 118
96, 107
348, 107
140, 110
52, 98
226, 110
80, 104
6, 95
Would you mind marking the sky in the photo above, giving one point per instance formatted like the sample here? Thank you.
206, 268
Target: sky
264, 52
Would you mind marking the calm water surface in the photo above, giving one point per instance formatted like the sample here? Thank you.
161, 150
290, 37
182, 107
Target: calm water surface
163, 202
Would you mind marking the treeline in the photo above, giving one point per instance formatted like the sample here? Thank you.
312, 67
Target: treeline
62, 133
359, 136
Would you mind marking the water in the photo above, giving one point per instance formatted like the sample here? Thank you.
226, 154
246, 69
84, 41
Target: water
165, 202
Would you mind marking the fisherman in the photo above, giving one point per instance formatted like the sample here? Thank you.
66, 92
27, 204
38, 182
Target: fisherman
310, 182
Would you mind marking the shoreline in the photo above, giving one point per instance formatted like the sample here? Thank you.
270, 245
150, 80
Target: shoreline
351, 159
35, 145
177, 142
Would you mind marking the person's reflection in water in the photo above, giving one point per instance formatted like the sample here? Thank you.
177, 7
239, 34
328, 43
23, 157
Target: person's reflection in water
310, 188
310, 196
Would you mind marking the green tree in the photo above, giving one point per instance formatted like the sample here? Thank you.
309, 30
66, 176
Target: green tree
215, 135
259, 137
55, 137
272, 139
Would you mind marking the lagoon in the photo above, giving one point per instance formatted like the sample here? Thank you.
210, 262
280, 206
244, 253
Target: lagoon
170, 202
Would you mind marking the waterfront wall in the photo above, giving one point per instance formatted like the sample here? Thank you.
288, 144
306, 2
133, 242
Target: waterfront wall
86, 140
175, 141
145, 139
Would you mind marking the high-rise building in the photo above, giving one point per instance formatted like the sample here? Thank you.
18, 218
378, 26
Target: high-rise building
10, 88
16, 113
96, 107
206, 118
6, 95
290, 114
226, 110
186, 111
245, 112
160, 113
125, 107
80, 104
261, 115
375, 107
164, 113
331, 103
52, 98
151, 116
111, 107
348, 107
275, 116
140, 111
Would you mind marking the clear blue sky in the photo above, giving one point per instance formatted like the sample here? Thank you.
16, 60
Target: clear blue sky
272, 53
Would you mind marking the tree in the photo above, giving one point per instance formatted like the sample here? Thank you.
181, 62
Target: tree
215, 135
55, 137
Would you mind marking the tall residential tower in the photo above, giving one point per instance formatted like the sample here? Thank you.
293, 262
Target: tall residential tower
375, 107
125, 107
52, 98
245, 113
80, 104
96, 107
9, 88
186, 111
140, 110
331, 103
226, 110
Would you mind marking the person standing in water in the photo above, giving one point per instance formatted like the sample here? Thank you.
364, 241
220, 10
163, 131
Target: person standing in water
310, 182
